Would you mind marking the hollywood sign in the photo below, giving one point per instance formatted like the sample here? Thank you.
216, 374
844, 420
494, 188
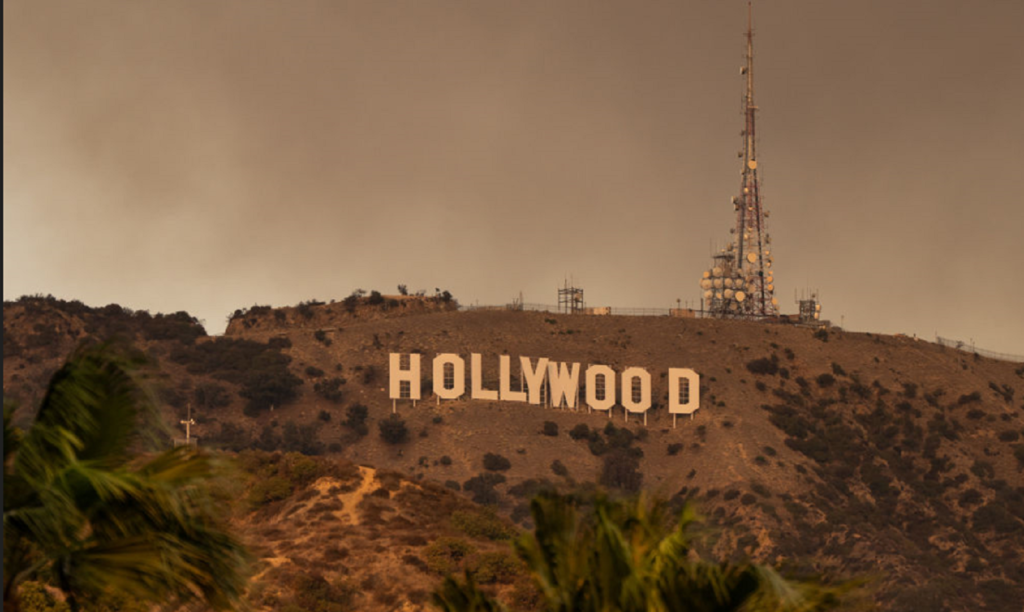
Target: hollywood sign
556, 383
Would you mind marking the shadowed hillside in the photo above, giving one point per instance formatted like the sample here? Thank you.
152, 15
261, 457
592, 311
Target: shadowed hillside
845, 452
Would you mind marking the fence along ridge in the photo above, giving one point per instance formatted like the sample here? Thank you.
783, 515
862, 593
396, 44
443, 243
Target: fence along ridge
960, 345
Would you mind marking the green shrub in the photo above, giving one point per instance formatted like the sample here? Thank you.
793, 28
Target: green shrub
330, 389
355, 419
559, 468
496, 463
211, 395
580, 432
33, 597
496, 567
764, 366
969, 398
393, 429
446, 554
1009, 435
314, 593
550, 428
482, 487
269, 490
621, 471
482, 523
675, 448
826, 380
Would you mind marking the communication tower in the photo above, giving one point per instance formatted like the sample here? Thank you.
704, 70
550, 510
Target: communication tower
810, 310
741, 282
570, 299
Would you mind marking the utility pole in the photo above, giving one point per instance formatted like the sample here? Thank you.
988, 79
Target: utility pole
188, 423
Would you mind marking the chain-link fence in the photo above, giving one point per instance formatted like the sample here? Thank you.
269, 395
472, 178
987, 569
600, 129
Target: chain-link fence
960, 345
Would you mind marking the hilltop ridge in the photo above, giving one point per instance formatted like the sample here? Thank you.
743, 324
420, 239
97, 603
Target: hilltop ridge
844, 451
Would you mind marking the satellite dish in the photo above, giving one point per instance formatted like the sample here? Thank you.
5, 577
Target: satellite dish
771, 287
729, 248
740, 296
707, 274
752, 257
817, 306
707, 295
705, 284
815, 315
716, 271
728, 282
732, 306
718, 294
775, 302
752, 164
718, 283
738, 283
728, 293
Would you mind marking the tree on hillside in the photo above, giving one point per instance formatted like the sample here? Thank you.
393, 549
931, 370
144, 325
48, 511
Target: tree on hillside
628, 556
84, 515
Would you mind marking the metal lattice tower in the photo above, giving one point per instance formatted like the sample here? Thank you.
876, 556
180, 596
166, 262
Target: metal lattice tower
741, 282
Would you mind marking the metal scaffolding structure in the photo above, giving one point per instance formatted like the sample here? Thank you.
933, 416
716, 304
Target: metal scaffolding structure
570, 299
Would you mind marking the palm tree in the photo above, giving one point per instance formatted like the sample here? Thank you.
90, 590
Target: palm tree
84, 515
627, 556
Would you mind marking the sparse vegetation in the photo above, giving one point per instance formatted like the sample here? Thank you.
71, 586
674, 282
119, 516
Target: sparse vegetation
355, 419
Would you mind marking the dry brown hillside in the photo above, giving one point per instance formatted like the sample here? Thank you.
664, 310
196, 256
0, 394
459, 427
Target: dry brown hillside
847, 452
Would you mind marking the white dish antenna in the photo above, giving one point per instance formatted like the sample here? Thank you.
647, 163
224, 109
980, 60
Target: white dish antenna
740, 296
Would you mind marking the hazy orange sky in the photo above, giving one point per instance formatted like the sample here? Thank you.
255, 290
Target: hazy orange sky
209, 155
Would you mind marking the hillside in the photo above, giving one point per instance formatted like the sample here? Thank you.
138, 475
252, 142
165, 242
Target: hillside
846, 452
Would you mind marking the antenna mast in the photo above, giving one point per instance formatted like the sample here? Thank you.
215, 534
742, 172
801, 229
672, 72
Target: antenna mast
753, 245
741, 282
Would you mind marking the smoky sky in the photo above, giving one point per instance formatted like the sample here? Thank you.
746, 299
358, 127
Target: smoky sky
206, 156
